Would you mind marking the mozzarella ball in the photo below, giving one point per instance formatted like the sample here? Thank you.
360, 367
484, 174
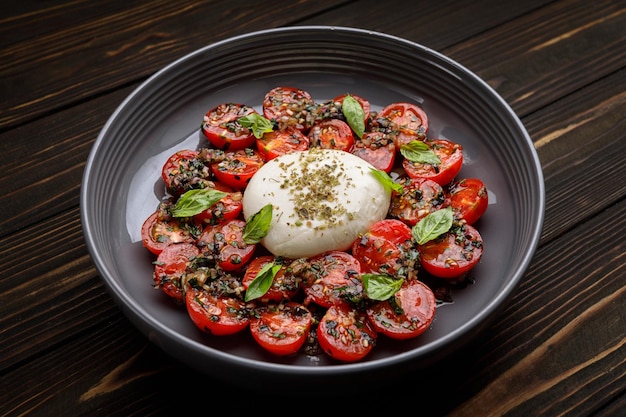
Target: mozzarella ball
322, 200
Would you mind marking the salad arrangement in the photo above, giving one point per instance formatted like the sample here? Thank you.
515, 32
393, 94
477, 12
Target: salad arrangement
210, 257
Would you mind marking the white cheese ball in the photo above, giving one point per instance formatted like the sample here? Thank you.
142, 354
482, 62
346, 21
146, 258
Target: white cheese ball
322, 200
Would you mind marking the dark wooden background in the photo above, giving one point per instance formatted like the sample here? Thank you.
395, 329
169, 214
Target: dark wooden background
557, 349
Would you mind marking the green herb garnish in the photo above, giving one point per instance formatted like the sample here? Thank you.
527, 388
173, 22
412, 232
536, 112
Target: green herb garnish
380, 287
196, 201
419, 152
386, 180
258, 225
354, 114
262, 282
257, 123
433, 225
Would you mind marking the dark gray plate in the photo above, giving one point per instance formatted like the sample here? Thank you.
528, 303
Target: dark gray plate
121, 185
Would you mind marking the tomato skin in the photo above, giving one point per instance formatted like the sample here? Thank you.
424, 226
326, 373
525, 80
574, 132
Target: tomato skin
285, 285
237, 167
332, 134
227, 208
453, 254
185, 170
408, 119
420, 197
281, 329
225, 242
158, 232
218, 315
289, 106
280, 142
331, 278
417, 304
379, 250
346, 334
170, 267
451, 156
222, 130
469, 199
377, 148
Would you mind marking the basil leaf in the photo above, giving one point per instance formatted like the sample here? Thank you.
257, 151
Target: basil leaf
380, 287
196, 201
432, 226
257, 123
258, 225
419, 152
262, 282
354, 114
386, 180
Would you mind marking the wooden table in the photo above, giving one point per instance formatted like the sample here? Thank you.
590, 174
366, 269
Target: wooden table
557, 349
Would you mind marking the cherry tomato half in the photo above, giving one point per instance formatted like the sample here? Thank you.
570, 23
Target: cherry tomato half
227, 208
332, 134
345, 333
171, 266
285, 285
409, 120
418, 198
452, 254
289, 106
469, 199
407, 314
158, 231
280, 142
185, 170
377, 148
224, 241
218, 315
331, 278
237, 167
451, 156
379, 250
222, 129
281, 328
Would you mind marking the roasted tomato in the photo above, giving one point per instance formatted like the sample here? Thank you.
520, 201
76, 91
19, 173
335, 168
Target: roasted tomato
285, 285
346, 333
216, 314
186, 170
280, 142
377, 148
160, 230
408, 119
449, 153
289, 106
227, 208
237, 167
332, 277
171, 266
224, 242
419, 198
281, 328
452, 254
383, 248
332, 134
407, 314
469, 199
223, 130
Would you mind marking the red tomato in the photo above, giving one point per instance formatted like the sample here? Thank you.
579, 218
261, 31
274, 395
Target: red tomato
380, 249
171, 266
378, 149
408, 119
452, 254
285, 285
224, 241
237, 167
419, 198
469, 199
409, 314
281, 328
345, 333
158, 232
185, 170
280, 142
289, 106
331, 278
218, 315
332, 134
227, 208
222, 129
365, 105
451, 156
